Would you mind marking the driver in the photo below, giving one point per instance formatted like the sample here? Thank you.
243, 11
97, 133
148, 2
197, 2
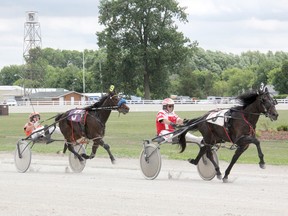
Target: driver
167, 120
34, 125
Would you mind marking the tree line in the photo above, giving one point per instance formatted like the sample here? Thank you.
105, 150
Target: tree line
142, 52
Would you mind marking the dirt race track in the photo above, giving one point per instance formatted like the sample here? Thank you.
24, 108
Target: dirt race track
50, 188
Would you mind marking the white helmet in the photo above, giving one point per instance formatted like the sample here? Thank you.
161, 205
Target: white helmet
167, 101
31, 116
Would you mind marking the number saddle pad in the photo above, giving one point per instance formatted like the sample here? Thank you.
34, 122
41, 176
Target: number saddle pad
76, 115
218, 117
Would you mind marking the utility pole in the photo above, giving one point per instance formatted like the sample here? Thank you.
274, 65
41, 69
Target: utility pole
83, 74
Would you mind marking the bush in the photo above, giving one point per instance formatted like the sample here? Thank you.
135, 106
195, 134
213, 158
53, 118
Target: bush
282, 96
282, 128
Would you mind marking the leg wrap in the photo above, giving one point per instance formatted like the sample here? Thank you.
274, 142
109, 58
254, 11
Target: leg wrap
193, 139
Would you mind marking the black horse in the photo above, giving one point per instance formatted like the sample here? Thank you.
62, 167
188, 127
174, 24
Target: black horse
239, 128
89, 122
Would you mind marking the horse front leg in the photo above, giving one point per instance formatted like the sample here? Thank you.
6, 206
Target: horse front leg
107, 148
96, 144
235, 157
260, 153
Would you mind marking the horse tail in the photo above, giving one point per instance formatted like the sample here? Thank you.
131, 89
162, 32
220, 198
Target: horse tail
182, 142
192, 125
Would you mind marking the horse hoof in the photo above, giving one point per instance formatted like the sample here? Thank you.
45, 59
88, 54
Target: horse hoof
262, 165
192, 161
219, 177
60, 152
84, 156
225, 180
113, 161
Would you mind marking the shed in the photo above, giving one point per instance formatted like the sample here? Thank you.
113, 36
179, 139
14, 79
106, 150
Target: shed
58, 96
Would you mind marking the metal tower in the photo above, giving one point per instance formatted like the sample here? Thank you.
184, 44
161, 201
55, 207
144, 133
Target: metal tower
32, 33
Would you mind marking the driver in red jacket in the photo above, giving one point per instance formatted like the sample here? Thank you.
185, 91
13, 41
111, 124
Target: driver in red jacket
167, 120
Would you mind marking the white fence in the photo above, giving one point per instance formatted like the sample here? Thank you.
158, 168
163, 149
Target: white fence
86, 103
133, 107
282, 101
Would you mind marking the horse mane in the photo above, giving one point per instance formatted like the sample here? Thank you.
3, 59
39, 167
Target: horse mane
98, 103
101, 101
247, 98
95, 105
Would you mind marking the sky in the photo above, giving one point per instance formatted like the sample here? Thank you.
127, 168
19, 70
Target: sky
230, 26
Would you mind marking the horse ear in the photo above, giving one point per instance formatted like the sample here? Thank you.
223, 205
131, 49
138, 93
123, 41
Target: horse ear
262, 88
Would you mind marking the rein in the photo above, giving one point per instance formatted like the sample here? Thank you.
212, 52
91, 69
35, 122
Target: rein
244, 112
106, 108
120, 102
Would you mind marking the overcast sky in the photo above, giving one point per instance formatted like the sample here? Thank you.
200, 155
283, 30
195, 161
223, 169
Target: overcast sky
231, 26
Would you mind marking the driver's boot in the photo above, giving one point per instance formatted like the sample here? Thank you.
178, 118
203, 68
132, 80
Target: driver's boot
48, 135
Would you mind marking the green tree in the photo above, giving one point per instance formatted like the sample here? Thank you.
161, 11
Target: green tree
197, 83
35, 68
238, 80
279, 78
95, 74
55, 58
220, 88
141, 39
9, 74
262, 70
53, 77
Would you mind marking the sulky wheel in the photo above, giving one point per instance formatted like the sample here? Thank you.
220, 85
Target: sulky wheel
75, 164
22, 156
150, 161
206, 168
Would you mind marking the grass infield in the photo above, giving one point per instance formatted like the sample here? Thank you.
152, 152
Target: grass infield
125, 133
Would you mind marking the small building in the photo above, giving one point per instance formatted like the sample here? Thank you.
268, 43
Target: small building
59, 97
9, 92
93, 97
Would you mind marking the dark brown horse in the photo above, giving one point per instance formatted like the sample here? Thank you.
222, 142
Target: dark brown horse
90, 123
239, 128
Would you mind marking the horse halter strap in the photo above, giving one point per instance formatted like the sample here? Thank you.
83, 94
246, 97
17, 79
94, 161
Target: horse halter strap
115, 107
266, 111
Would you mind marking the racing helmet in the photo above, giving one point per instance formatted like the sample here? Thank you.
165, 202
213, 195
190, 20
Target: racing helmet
31, 116
166, 102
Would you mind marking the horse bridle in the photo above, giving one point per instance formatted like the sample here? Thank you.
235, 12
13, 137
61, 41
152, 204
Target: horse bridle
267, 112
119, 104
272, 102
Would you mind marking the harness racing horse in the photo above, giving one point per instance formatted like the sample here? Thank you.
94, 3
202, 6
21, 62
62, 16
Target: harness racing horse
91, 123
239, 129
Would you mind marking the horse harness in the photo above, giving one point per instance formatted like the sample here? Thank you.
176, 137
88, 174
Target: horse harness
80, 117
228, 124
